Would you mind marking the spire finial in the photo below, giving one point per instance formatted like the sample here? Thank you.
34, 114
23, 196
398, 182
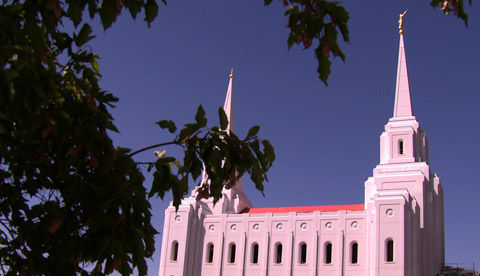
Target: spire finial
231, 73
400, 22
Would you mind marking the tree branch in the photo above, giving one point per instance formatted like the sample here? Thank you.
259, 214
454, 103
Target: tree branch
152, 147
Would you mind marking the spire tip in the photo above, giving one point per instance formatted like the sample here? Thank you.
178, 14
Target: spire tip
400, 22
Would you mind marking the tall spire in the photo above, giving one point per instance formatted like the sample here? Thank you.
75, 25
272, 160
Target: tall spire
403, 103
228, 106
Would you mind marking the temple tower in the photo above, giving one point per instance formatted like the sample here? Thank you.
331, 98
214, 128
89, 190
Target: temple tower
403, 183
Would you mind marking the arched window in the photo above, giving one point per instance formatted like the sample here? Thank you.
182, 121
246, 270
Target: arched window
303, 253
174, 251
255, 253
400, 147
209, 253
354, 253
389, 250
278, 253
328, 253
231, 254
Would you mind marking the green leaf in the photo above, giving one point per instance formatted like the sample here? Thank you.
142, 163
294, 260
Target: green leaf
269, 151
75, 11
187, 132
94, 63
200, 116
134, 7
252, 132
214, 162
108, 13
257, 178
260, 156
92, 8
162, 180
223, 119
291, 9
110, 126
151, 11
342, 18
196, 168
167, 124
324, 63
83, 36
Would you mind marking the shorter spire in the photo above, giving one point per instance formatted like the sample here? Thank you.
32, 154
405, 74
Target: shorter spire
403, 103
228, 106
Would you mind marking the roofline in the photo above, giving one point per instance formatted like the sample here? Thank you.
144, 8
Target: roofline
306, 209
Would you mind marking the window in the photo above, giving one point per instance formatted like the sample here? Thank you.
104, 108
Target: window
231, 254
278, 253
389, 250
354, 253
174, 251
255, 253
303, 253
400, 147
328, 253
209, 253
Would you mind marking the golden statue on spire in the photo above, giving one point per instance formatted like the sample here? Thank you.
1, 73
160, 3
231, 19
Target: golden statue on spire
400, 22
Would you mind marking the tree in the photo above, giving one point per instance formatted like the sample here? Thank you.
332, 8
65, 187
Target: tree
70, 201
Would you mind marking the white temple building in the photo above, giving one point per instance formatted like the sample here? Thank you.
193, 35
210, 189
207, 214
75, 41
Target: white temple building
399, 230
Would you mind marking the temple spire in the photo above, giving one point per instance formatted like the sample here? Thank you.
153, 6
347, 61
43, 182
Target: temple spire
228, 106
403, 103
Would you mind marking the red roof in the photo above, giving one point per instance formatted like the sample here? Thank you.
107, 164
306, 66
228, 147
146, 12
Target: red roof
306, 209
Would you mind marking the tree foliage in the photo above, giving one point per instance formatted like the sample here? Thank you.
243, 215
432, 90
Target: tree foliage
455, 6
70, 201
222, 155
318, 22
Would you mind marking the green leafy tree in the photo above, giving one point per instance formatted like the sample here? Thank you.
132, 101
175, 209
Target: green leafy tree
71, 203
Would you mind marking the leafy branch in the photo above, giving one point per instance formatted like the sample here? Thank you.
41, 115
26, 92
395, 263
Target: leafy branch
317, 20
222, 155
455, 6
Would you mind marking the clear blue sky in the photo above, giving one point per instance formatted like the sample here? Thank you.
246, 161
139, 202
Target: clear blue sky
326, 138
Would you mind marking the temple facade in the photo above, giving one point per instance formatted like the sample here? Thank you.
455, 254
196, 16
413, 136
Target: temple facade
399, 230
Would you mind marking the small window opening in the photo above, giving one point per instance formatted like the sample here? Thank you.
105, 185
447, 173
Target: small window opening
210, 253
389, 252
255, 253
303, 253
278, 255
174, 251
233, 248
328, 253
400, 147
354, 253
